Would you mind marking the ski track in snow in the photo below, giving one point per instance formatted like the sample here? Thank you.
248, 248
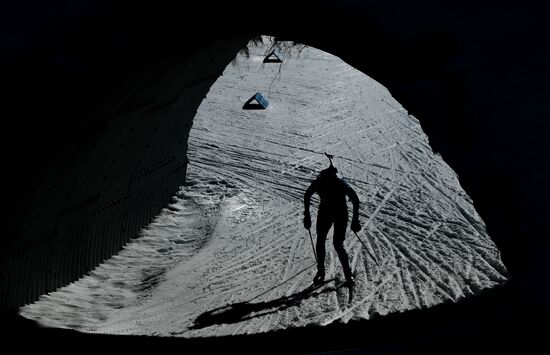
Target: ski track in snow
230, 254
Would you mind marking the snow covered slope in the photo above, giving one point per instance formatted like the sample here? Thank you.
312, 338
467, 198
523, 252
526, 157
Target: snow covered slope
230, 255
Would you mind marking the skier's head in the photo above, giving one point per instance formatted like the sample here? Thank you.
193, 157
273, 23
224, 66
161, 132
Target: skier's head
328, 173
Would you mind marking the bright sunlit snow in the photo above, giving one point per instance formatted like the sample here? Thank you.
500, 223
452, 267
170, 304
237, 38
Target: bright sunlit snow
230, 255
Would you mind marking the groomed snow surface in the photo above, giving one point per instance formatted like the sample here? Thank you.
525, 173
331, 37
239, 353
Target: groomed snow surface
230, 255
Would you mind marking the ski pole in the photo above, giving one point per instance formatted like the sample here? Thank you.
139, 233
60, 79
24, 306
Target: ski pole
312, 245
368, 251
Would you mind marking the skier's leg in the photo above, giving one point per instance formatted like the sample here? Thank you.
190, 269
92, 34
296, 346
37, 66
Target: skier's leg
340, 226
323, 226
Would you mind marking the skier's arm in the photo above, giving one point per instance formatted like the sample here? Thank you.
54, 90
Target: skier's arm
354, 200
307, 196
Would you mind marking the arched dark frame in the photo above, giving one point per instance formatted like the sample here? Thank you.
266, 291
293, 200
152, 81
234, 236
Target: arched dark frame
477, 84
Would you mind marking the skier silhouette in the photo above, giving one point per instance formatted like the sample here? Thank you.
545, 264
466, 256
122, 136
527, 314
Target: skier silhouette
332, 210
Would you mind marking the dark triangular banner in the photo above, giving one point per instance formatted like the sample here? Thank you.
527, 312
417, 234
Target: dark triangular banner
272, 58
256, 102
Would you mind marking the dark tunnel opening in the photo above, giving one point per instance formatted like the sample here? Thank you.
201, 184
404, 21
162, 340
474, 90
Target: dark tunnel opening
480, 84
306, 87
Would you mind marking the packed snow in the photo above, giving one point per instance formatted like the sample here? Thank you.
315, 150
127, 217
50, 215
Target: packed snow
230, 254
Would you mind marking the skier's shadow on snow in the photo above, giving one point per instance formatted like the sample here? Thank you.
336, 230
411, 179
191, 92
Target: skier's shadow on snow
243, 311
